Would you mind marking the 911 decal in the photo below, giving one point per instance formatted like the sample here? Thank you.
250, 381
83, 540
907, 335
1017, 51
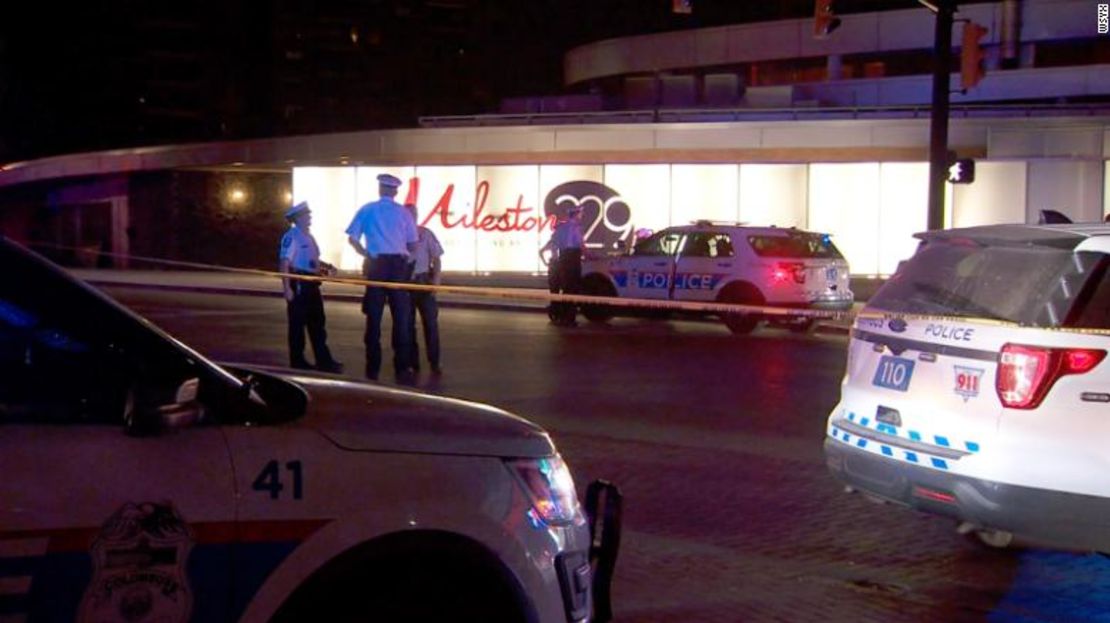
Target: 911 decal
967, 381
269, 479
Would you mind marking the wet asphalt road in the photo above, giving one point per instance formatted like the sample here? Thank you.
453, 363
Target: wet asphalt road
715, 442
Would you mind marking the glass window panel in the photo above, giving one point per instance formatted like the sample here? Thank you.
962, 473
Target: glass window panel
904, 211
646, 189
996, 196
844, 202
704, 191
773, 194
505, 205
446, 197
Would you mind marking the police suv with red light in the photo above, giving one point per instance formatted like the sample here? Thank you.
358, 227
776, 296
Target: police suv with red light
977, 386
142, 482
726, 263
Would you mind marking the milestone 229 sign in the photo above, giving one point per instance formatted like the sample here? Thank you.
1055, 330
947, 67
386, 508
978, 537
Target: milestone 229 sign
606, 218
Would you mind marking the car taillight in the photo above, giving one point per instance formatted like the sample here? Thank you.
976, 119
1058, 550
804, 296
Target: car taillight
1026, 373
786, 270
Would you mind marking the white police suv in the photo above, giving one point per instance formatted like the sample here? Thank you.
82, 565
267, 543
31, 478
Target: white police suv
142, 482
977, 385
726, 263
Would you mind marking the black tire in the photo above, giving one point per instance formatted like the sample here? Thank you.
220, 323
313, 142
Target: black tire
596, 285
741, 294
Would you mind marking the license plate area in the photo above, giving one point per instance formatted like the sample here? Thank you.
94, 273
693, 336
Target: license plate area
893, 373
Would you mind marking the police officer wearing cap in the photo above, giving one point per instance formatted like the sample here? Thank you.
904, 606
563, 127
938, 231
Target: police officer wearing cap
383, 232
303, 304
564, 268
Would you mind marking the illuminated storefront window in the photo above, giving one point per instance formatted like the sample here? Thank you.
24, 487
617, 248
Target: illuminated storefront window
844, 201
997, 196
773, 194
494, 218
704, 191
903, 211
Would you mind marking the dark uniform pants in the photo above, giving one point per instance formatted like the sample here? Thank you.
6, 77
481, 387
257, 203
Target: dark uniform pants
564, 276
425, 304
306, 311
387, 268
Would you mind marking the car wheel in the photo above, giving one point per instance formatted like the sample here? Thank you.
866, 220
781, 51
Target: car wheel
741, 294
397, 584
596, 285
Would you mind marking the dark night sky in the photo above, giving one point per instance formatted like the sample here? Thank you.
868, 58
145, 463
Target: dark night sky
122, 73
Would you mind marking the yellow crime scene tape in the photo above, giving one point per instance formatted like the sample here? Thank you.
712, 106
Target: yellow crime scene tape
521, 294
491, 292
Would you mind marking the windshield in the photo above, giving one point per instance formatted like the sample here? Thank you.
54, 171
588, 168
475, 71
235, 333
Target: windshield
66, 349
795, 246
1024, 284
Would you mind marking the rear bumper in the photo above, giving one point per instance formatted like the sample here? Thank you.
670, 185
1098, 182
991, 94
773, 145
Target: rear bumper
1055, 518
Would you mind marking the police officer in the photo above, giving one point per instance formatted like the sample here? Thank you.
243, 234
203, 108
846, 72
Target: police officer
303, 303
564, 268
383, 232
426, 268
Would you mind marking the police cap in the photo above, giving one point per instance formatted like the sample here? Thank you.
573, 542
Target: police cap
390, 181
292, 213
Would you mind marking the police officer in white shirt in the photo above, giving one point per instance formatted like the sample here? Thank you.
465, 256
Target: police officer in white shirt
384, 233
426, 268
304, 305
564, 268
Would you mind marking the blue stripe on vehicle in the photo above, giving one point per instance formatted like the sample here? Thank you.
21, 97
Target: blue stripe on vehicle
888, 429
915, 436
911, 457
852, 417
888, 451
939, 463
865, 421
972, 446
862, 443
942, 441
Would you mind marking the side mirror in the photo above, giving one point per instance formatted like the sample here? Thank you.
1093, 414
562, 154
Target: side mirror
146, 414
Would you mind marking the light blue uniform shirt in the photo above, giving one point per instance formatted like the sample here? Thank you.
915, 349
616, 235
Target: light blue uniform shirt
384, 227
427, 249
299, 248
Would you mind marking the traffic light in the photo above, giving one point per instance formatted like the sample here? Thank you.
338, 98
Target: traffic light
961, 171
824, 19
971, 55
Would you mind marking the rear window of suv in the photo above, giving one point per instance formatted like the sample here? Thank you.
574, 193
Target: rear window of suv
795, 246
1030, 284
